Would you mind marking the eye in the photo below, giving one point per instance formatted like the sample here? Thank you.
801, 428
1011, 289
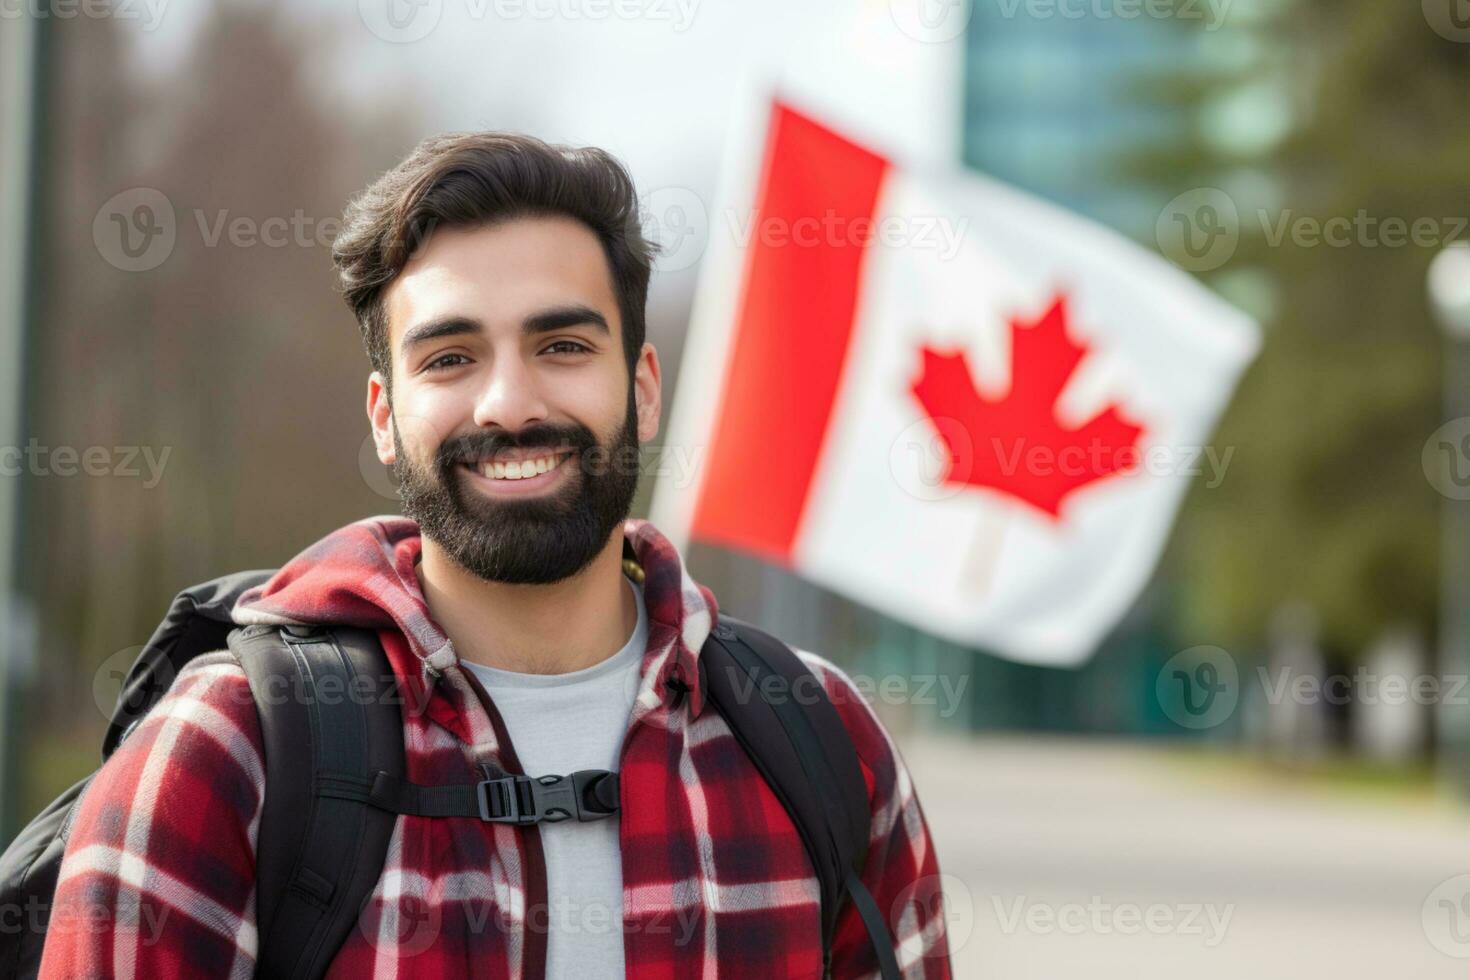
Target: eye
438, 363
578, 348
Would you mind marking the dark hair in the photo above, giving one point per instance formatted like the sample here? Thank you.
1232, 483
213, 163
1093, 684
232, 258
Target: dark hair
460, 179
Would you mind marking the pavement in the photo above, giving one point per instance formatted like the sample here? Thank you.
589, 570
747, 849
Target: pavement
1070, 858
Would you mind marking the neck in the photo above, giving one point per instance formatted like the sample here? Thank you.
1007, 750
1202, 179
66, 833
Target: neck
534, 629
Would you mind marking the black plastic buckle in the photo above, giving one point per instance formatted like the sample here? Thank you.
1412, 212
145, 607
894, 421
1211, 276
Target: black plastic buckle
526, 800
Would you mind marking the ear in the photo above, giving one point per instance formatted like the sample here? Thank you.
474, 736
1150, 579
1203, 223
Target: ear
380, 417
647, 393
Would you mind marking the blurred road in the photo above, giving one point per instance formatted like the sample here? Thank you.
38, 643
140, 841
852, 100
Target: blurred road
1100, 860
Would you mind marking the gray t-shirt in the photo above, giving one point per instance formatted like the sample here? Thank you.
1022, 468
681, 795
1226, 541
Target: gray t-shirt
560, 723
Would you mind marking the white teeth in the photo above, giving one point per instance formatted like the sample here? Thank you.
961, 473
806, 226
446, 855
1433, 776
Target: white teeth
519, 469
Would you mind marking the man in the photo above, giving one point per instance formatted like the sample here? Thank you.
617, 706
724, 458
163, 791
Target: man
500, 285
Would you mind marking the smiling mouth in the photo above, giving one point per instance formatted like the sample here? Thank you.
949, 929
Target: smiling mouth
519, 469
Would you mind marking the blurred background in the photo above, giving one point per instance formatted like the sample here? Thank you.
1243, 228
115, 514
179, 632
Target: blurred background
1088, 823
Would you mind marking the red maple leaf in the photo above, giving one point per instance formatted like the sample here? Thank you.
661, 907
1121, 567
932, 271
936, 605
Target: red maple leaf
1015, 444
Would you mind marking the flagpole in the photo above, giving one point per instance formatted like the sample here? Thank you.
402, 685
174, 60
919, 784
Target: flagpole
22, 47
978, 572
1450, 297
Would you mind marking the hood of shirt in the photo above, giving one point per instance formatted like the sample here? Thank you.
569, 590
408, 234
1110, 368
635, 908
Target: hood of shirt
364, 575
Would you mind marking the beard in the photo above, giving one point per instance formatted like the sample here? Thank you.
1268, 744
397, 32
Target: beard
542, 538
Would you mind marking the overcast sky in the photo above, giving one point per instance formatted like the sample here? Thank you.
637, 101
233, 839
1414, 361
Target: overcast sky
650, 80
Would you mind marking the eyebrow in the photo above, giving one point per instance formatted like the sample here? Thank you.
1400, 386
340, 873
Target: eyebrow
542, 321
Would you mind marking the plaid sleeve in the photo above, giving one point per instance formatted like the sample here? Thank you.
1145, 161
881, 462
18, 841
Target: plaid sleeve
902, 871
158, 876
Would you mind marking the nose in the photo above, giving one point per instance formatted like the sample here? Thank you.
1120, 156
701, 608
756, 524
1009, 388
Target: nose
510, 398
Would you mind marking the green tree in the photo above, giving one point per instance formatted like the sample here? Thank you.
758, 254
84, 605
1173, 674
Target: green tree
1325, 500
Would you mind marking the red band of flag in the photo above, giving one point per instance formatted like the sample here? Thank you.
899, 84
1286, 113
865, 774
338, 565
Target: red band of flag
791, 335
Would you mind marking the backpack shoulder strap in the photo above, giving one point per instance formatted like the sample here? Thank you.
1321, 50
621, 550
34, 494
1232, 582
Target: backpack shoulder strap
780, 714
197, 622
327, 701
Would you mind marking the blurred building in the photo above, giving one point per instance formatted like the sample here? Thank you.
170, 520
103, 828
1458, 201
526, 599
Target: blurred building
1053, 103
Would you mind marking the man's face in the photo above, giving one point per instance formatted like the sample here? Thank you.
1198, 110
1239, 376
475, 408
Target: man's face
513, 427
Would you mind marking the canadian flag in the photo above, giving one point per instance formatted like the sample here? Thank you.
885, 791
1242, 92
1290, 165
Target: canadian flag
941, 397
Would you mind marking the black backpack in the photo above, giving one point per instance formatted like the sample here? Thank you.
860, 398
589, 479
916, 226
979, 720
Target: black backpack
314, 875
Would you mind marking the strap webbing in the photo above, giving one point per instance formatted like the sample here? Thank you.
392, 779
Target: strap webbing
589, 794
401, 796
838, 825
878, 933
317, 856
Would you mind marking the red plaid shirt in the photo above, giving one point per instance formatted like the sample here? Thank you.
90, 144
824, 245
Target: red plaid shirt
158, 878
